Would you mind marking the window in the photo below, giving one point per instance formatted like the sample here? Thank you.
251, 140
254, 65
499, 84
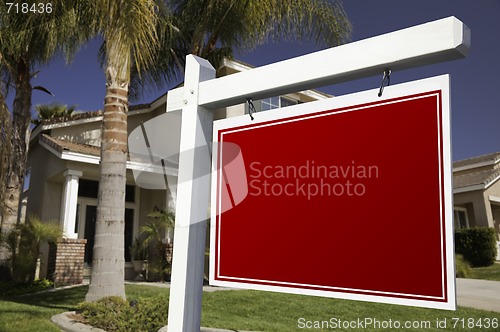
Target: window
27, 179
129, 229
460, 218
130, 194
90, 188
270, 103
276, 102
77, 221
284, 102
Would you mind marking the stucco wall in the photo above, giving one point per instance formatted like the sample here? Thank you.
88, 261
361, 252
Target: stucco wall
148, 201
87, 133
475, 200
90, 132
44, 190
483, 213
494, 190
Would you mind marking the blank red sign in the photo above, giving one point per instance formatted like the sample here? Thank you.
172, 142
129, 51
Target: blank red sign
348, 197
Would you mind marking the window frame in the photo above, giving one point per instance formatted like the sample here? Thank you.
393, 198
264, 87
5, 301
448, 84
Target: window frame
456, 222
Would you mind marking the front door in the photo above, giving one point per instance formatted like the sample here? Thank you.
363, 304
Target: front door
90, 218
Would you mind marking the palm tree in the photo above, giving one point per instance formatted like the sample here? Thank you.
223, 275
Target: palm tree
212, 29
5, 149
28, 41
134, 39
52, 111
128, 29
245, 24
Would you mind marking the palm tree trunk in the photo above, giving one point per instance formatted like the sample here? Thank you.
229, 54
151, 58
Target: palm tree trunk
20, 143
108, 265
5, 159
5, 150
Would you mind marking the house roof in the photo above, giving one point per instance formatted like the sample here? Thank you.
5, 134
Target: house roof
87, 115
490, 158
91, 154
61, 145
482, 178
476, 173
73, 117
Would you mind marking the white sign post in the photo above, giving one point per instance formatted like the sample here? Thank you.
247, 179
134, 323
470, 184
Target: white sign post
193, 194
438, 41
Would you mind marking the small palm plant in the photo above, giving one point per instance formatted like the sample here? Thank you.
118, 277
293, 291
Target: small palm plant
159, 222
138, 253
23, 243
138, 250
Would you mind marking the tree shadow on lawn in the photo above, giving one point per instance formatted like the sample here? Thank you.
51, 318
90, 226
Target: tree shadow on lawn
63, 299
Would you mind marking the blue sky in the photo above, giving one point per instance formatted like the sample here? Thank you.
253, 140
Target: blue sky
475, 80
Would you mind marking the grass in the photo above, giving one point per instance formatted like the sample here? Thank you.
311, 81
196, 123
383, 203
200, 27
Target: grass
489, 273
248, 310
31, 313
265, 311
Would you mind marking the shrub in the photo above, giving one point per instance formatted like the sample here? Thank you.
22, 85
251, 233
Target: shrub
462, 267
477, 245
114, 314
148, 314
23, 244
105, 313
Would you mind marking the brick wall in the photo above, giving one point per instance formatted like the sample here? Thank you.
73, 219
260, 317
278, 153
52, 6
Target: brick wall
65, 262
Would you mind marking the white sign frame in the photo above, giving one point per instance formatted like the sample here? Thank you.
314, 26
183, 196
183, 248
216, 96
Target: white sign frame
289, 114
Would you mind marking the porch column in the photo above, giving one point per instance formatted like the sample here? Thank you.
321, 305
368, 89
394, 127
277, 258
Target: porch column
69, 201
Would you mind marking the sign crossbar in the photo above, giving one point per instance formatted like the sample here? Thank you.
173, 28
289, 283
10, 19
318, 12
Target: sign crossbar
433, 42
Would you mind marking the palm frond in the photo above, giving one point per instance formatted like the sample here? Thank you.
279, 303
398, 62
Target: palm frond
242, 25
128, 27
159, 222
52, 111
37, 231
169, 57
41, 88
37, 38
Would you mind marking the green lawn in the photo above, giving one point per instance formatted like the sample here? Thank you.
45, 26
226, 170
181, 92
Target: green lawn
265, 311
488, 273
250, 310
31, 313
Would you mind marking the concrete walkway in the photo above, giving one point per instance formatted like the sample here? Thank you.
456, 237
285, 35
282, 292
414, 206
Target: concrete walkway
473, 293
479, 294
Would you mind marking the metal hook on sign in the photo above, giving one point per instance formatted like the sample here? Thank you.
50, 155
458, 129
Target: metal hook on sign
386, 81
251, 107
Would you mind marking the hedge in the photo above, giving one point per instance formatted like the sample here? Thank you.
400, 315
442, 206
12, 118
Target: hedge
478, 246
115, 314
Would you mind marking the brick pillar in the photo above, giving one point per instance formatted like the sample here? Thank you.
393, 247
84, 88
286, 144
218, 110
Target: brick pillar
65, 262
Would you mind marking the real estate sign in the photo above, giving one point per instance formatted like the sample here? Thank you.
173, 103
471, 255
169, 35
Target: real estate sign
348, 197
